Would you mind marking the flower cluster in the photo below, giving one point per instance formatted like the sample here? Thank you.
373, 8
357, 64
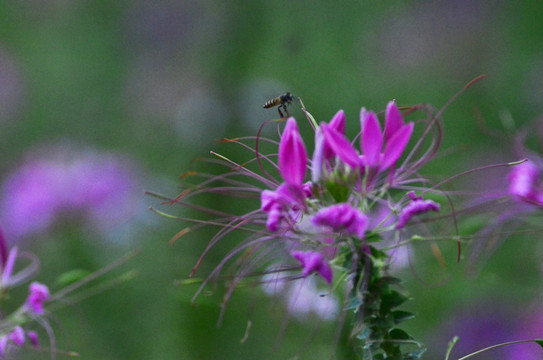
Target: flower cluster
346, 185
340, 212
13, 333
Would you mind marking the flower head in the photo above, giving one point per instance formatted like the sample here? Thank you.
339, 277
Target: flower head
416, 206
333, 220
343, 217
313, 262
39, 293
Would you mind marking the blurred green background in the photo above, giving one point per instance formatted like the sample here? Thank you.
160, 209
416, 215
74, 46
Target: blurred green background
160, 81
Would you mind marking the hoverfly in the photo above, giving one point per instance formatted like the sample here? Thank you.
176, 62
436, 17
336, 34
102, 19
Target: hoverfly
282, 100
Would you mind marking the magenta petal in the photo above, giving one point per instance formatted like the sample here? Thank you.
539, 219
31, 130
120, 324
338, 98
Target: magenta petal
267, 199
393, 120
318, 157
274, 218
416, 207
313, 262
340, 146
39, 294
524, 181
338, 122
395, 147
342, 217
292, 155
33, 337
372, 138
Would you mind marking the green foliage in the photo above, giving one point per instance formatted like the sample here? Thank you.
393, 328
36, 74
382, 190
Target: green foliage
374, 301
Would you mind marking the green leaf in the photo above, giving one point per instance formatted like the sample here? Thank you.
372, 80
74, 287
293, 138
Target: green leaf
392, 300
539, 342
71, 277
401, 316
399, 334
384, 323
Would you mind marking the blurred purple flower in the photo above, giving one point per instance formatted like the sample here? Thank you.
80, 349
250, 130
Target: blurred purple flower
34, 340
39, 294
302, 296
530, 327
524, 183
17, 336
478, 326
101, 187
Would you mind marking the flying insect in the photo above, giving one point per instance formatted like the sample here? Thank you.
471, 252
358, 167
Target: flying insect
282, 100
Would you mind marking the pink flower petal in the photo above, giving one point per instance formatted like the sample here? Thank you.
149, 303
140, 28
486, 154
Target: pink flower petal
340, 146
292, 155
524, 181
318, 157
338, 122
372, 138
395, 147
393, 120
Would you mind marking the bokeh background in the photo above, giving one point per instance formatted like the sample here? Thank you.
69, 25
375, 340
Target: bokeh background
120, 96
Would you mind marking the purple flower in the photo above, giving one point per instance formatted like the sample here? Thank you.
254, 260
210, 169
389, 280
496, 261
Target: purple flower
313, 262
417, 206
524, 182
33, 337
17, 336
278, 203
343, 217
39, 293
528, 328
292, 155
100, 187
